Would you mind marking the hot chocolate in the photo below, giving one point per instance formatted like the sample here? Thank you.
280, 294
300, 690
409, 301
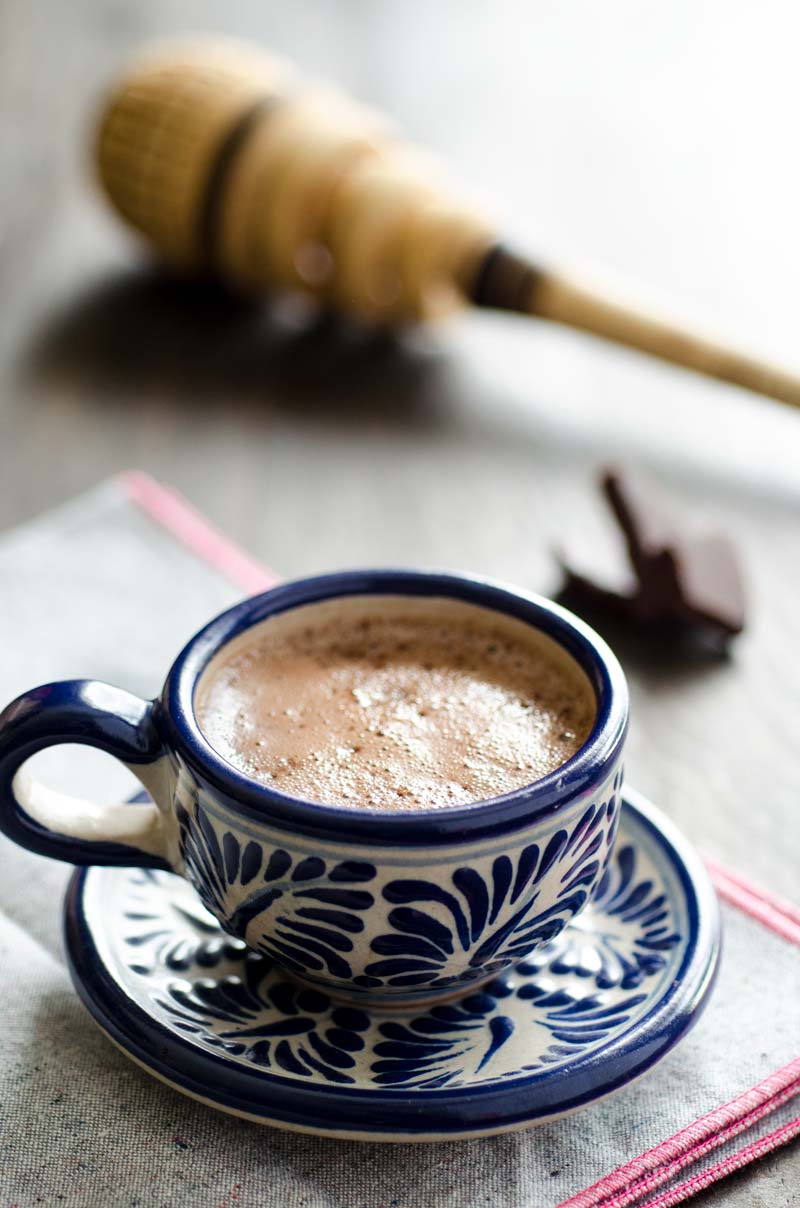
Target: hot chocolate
392, 702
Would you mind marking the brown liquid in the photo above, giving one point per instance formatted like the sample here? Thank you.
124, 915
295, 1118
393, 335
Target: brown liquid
395, 703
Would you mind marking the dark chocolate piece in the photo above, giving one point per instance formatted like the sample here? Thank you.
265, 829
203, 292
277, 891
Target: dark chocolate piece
683, 584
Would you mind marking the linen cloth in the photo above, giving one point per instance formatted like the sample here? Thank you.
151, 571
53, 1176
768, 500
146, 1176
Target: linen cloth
98, 589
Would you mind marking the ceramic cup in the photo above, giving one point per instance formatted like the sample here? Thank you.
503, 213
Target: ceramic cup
366, 903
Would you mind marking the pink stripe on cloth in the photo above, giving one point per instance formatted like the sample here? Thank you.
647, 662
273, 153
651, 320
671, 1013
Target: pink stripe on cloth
627, 1184
173, 512
743, 1157
774, 912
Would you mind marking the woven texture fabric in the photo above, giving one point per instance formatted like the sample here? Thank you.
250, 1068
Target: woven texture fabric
98, 589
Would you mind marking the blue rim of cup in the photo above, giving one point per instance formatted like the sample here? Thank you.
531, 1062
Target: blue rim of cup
483, 819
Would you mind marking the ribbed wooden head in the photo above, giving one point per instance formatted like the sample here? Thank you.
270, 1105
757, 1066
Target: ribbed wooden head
217, 155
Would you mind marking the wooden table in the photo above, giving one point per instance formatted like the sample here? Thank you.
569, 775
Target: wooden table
659, 143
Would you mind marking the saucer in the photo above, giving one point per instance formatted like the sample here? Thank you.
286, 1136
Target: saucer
579, 1019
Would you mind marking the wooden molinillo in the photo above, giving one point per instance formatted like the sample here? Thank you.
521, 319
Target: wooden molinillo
218, 155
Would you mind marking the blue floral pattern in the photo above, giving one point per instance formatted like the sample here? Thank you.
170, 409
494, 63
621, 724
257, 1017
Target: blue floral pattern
427, 933
586, 986
316, 904
453, 1043
273, 1023
625, 939
174, 934
496, 922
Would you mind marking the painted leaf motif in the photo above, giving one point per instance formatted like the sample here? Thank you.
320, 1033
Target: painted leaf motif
562, 1003
271, 1023
493, 918
627, 937
315, 907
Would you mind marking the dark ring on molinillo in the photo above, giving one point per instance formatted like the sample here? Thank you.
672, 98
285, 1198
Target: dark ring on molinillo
504, 280
242, 129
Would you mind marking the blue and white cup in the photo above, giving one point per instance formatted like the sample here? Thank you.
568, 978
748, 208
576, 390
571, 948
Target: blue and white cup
382, 905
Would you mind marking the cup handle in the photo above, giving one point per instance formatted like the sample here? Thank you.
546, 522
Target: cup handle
70, 828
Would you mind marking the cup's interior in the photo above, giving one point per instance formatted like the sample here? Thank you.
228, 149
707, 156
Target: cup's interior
428, 700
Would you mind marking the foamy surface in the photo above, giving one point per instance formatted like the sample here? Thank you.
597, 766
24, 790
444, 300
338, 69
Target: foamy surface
394, 702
